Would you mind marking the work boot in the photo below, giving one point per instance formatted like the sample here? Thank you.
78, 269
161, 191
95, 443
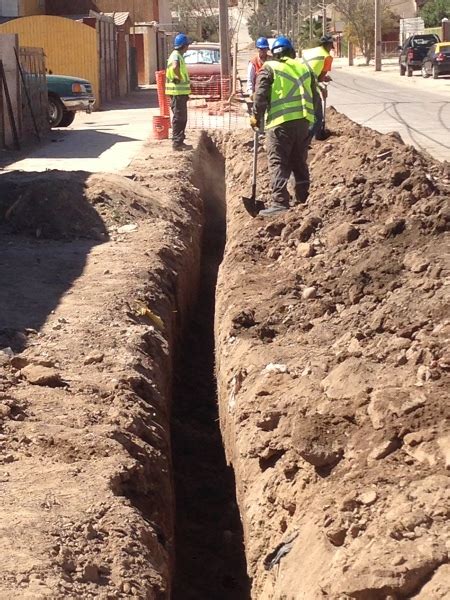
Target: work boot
182, 147
273, 211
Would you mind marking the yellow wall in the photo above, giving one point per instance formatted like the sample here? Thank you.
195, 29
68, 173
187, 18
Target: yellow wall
70, 47
32, 7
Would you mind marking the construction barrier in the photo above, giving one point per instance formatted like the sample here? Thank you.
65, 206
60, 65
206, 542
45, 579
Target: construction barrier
161, 126
163, 100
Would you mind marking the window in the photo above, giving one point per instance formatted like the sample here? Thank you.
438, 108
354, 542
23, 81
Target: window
206, 56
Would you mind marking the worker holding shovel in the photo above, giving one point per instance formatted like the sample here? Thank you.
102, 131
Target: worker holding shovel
286, 93
320, 61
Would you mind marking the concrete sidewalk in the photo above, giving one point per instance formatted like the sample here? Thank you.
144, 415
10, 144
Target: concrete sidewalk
390, 73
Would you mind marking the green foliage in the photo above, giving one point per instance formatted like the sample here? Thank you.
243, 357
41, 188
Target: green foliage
434, 11
261, 22
360, 28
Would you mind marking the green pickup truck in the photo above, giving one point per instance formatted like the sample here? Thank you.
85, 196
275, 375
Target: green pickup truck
66, 96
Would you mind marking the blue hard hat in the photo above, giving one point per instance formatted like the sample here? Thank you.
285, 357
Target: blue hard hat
281, 44
180, 40
262, 43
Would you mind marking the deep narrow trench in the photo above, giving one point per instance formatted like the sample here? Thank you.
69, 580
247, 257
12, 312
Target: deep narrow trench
210, 559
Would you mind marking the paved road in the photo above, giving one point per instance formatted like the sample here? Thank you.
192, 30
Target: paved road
422, 117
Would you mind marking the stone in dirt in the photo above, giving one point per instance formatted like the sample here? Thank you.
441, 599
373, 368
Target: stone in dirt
342, 234
45, 376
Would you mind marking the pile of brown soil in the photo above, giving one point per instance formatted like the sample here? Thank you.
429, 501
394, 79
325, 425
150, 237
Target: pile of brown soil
332, 365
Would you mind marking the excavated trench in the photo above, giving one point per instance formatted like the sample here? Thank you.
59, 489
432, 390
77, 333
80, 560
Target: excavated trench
210, 559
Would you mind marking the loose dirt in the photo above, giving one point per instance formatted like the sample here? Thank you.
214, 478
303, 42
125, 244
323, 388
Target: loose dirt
97, 273
331, 370
332, 367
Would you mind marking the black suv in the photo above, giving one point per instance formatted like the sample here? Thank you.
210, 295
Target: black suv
414, 50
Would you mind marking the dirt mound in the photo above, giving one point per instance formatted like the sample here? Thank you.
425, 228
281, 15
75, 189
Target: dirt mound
87, 500
333, 369
57, 205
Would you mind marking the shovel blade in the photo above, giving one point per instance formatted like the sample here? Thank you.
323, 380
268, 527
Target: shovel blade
323, 134
252, 206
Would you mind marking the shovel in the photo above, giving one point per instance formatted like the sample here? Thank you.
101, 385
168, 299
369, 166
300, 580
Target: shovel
252, 205
323, 133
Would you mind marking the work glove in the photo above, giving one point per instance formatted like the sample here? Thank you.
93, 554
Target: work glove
176, 79
254, 122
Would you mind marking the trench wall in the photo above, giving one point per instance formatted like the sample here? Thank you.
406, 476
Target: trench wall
331, 369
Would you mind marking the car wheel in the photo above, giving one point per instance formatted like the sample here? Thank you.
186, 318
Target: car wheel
55, 111
424, 72
402, 70
435, 72
67, 119
409, 72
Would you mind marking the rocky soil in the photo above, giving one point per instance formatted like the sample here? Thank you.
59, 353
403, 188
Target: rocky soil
332, 363
331, 334
98, 273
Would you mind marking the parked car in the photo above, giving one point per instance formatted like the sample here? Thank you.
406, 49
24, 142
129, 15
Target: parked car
203, 65
414, 51
67, 96
437, 61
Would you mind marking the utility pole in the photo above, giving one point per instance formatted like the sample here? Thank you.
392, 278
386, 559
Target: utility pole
324, 19
377, 35
278, 17
224, 40
310, 22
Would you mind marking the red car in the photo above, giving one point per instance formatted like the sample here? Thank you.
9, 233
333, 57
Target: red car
203, 64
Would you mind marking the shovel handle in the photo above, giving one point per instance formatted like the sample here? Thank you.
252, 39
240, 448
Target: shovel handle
255, 161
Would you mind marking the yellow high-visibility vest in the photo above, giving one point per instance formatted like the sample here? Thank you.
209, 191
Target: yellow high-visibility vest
183, 88
291, 95
314, 58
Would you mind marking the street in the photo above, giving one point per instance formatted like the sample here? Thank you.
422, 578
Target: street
422, 117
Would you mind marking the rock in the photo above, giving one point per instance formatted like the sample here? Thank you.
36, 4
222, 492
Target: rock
414, 439
444, 446
275, 368
129, 228
384, 449
305, 250
306, 229
5, 411
19, 362
91, 573
336, 535
342, 234
273, 253
423, 374
96, 357
349, 379
320, 455
45, 376
415, 263
394, 227
6, 354
368, 497
309, 293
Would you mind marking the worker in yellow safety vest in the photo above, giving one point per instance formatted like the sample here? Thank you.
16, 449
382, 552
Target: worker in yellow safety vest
320, 61
178, 87
286, 93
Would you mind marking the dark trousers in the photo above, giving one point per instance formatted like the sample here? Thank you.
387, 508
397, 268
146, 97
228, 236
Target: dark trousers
287, 152
178, 104
318, 111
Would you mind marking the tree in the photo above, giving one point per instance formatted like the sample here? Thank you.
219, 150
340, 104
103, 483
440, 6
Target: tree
261, 22
434, 11
198, 16
360, 29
